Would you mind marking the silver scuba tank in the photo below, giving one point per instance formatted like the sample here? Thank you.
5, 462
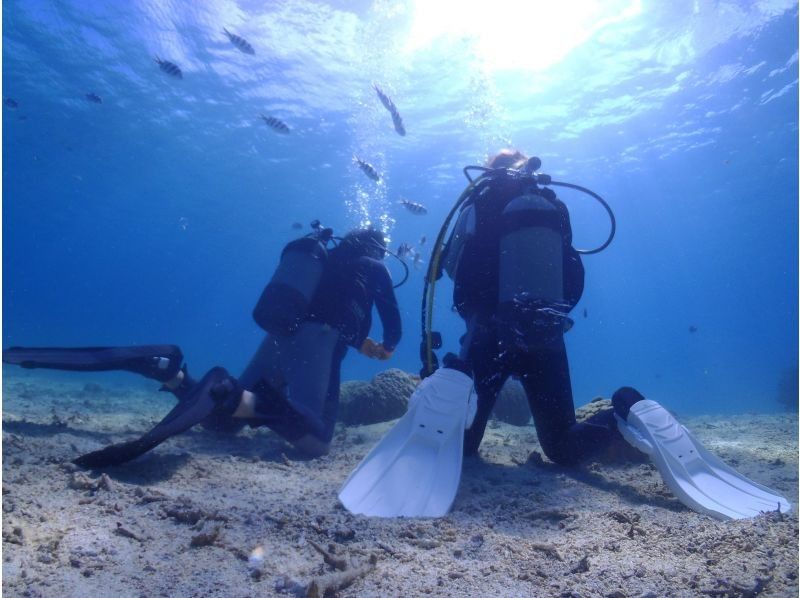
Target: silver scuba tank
531, 305
284, 302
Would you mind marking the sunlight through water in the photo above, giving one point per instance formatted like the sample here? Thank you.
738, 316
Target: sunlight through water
524, 35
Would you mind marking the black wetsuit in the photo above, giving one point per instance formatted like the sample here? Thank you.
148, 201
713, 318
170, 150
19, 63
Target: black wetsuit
346, 294
296, 379
542, 368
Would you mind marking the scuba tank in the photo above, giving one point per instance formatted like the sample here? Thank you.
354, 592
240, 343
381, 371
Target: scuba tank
539, 273
284, 302
531, 250
534, 239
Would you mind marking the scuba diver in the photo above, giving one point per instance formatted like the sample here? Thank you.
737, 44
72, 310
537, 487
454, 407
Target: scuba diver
317, 304
516, 278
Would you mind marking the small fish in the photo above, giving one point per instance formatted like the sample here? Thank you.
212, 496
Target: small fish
422, 240
404, 249
241, 43
276, 124
585, 313
296, 226
414, 208
367, 168
172, 69
418, 260
692, 328
387, 102
398, 124
10, 103
93, 97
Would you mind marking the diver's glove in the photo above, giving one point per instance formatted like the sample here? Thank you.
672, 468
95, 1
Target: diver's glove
384, 354
374, 350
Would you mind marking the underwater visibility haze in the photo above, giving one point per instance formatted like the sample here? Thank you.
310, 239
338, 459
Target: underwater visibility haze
148, 201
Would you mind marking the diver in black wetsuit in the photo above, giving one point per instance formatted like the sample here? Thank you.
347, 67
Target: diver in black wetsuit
292, 382
517, 277
305, 366
515, 327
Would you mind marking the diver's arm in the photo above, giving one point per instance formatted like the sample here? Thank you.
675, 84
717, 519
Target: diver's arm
386, 304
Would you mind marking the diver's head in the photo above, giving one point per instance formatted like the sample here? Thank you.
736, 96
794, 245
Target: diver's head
365, 242
507, 158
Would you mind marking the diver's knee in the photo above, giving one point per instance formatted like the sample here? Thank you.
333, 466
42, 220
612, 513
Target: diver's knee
558, 451
312, 446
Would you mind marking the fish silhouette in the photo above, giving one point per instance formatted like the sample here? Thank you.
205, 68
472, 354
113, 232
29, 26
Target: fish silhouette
389, 105
404, 249
385, 100
367, 168
276, 124
414, 208
10, 103
94, 98
172, 69
241, 43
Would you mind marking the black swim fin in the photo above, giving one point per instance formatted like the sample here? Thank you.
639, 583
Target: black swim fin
158, 362
216, 394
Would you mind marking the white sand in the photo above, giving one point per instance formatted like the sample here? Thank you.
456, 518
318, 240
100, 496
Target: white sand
519, 526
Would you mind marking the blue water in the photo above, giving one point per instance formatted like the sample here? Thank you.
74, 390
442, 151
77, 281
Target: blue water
158, 215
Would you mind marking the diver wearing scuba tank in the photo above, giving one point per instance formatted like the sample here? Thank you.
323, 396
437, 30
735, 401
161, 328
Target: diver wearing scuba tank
318, 302
295, 379
516, 278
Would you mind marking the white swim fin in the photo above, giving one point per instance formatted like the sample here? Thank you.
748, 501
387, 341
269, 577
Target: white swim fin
700, 480
415, 469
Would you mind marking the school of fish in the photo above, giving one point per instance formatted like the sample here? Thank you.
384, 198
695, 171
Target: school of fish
240, 43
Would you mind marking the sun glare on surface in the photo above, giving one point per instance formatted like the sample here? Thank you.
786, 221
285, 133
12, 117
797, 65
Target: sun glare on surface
528, 35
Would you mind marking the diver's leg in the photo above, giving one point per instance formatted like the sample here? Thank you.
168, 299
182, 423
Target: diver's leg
303, 410
319, 444
489, 374
545, 377
264, 365
625, 398
158, 362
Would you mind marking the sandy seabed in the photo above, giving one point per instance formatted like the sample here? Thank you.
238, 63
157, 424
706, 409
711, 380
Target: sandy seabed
212, 515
